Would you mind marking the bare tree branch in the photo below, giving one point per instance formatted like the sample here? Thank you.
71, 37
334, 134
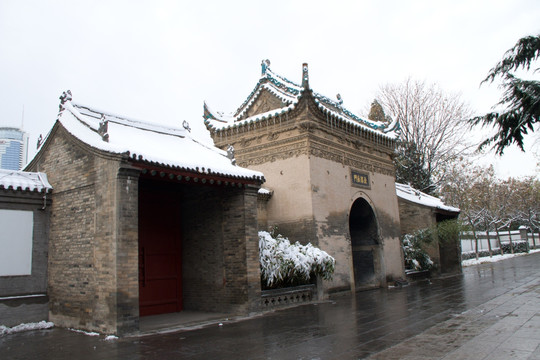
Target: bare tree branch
433, 126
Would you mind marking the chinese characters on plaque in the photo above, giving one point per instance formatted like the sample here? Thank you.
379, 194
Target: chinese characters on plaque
360, 179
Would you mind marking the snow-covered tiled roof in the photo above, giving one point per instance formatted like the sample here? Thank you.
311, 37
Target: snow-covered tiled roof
290, 93
265, 194
148, 143
406, 192
24, 181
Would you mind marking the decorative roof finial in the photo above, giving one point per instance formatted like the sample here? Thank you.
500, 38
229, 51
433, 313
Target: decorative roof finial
39, 141
339, 100
185, 124
230, 154
305, 76
103, 129
265, 65
66, 96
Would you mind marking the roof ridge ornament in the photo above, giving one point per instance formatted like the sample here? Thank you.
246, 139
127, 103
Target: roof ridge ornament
230, 154
265, 65
339, 102
66, 96
104, 128
185, 124
305, 76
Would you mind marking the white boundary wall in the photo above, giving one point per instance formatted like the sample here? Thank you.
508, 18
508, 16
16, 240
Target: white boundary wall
468, 241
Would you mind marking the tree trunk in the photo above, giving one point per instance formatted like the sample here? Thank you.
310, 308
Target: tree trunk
489, 242
475, 238
499, 240
510, 238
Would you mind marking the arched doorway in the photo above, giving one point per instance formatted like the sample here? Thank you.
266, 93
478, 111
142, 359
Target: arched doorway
364, 243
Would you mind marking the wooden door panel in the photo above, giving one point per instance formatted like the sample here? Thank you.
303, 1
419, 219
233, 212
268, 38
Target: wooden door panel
160, 276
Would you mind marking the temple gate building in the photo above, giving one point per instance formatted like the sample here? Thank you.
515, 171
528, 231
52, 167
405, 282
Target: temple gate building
330, 173
144, 220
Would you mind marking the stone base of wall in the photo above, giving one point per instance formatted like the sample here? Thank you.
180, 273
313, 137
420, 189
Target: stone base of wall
277, 298
15, 311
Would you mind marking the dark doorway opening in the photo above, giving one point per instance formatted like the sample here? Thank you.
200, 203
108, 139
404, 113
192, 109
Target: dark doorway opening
160, 246
449, 248
364, 243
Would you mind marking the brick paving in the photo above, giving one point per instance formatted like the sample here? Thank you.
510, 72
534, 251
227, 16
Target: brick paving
492, 311
506, 327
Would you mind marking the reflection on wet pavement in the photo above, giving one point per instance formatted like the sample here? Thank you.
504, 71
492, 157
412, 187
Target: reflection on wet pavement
346, 327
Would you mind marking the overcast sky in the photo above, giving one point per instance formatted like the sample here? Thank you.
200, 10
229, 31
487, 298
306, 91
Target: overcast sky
159, 61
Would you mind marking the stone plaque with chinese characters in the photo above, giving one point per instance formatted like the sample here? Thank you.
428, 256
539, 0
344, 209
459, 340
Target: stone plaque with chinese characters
360, 179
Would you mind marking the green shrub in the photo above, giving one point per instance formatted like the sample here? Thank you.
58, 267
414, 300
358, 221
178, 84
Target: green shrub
518, 246
415, 256
448, 231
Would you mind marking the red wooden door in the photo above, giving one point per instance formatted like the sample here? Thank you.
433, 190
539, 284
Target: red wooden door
160, 261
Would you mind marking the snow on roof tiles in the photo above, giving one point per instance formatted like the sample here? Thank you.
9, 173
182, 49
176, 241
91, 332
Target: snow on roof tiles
24, 181
151, 143
406, 192
290, 93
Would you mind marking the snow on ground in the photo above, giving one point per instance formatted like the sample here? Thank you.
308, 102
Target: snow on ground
92, 333
4, 330
494, 258
89, 333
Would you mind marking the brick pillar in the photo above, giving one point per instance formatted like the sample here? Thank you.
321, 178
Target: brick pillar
127, 241
241, 250
252, 248
523, 235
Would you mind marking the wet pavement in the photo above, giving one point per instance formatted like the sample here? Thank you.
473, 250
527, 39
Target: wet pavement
491, 311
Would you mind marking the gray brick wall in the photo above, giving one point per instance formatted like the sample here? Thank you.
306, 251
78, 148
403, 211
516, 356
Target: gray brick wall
127, 266
415, 217
202, 249
22, 308
93, 251
93, 267
220, 250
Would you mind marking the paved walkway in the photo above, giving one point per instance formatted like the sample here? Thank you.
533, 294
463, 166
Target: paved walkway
506, 327
492, 311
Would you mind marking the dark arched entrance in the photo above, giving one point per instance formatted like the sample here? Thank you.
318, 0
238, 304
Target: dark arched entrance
364, 243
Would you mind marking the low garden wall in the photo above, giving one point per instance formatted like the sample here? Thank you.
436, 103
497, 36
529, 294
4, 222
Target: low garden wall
277, 298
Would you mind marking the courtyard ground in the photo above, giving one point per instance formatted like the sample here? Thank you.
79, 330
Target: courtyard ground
491, 311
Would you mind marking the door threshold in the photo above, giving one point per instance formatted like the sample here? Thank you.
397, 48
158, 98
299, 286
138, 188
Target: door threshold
183, 320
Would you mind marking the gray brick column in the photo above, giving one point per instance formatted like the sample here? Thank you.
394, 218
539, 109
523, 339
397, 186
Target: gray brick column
127, 241
241, 250
252, 248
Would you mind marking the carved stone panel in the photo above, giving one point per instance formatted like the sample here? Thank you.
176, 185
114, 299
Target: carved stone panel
270, 153
264, 102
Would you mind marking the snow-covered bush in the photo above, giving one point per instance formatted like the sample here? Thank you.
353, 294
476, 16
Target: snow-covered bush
415, 257
518, 247
285, 264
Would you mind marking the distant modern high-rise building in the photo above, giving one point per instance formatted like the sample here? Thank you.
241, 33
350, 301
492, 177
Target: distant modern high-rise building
13, 148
